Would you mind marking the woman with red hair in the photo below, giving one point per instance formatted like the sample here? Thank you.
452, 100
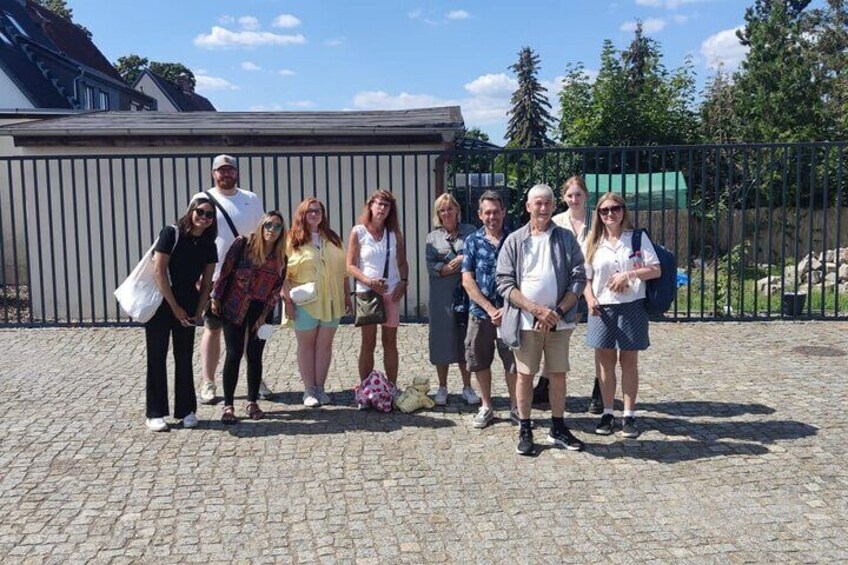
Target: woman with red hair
316, 295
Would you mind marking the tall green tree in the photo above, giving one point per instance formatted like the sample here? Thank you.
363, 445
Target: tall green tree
530, 117
60, 8
131, 66
719, 121
778, 98
830, 51
634, 100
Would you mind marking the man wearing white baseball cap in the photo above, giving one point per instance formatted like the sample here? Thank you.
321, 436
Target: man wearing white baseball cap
239, 212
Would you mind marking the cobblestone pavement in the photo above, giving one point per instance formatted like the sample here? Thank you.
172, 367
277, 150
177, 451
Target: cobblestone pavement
742, 459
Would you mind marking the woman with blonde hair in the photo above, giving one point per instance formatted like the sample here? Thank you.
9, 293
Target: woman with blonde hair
316, 295
376, 235
244, 296
615, 296
448, 303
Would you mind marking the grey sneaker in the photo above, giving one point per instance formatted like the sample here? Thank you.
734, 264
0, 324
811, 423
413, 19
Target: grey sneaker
441, 397
323, 397
629, 428
190, 421
310, 398
207, 392
470, 396
483, 418
265, 393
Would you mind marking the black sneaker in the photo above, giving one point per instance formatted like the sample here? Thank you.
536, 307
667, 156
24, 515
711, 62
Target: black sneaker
606, 425
596, 407
525, 443
565, 439
629, 429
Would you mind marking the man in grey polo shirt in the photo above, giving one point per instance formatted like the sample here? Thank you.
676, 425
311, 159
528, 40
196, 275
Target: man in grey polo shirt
540, 274
245, 210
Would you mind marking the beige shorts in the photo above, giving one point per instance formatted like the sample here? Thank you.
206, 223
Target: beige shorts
553, 345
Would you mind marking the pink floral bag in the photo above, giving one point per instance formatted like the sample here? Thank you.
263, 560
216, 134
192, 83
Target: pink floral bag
375, 391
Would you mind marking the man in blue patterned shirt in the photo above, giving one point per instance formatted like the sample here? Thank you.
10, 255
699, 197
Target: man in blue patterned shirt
478, 278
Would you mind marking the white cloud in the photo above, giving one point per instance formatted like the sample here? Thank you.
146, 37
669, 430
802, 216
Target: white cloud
221, 38
286, 73
649, 25
379, 100
286, 21
248, 66
226, 20
415, 14
723, 48
249, 23
334, 42
668, 4
457, 15
492, 85
206, 82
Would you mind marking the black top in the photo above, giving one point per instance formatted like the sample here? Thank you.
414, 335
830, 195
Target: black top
186, 265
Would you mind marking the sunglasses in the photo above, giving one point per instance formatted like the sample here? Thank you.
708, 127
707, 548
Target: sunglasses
609, 210
208, 214
272, 226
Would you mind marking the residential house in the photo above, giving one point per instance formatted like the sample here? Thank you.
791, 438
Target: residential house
170, 96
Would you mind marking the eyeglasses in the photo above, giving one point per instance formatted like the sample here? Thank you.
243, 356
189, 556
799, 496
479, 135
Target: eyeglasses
610, 210
272, 226
208, 214
313, 210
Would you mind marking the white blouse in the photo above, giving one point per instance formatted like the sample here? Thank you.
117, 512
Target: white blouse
615, 258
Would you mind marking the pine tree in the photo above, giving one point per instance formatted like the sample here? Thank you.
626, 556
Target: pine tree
530, 116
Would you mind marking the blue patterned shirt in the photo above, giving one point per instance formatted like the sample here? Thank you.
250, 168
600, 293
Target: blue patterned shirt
481, 258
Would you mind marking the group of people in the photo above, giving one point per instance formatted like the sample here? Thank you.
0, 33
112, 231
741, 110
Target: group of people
518, 293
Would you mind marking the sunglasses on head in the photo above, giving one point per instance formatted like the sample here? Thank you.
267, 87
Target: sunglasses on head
609, 210
209, 214
273, 226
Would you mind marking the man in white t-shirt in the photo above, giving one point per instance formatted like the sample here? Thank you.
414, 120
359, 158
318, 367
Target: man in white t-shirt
245, 211
540, 274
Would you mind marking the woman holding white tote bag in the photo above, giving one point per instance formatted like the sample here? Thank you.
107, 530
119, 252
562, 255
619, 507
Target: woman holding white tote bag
183, 254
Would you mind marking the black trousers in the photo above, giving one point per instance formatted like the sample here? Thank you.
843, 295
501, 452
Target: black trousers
234, 340
157, 332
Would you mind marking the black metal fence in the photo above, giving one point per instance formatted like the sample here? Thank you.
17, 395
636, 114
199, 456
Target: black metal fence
758, 230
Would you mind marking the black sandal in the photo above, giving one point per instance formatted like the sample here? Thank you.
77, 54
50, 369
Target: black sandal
229, 416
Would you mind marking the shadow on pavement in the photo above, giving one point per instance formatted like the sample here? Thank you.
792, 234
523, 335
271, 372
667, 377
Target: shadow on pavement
705, 408
673, 451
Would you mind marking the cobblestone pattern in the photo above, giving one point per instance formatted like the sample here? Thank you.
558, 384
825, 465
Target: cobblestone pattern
742, 459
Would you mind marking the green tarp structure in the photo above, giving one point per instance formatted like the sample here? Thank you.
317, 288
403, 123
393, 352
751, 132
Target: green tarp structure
654, 191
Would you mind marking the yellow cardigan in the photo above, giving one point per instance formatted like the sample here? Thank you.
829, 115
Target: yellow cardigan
326, 268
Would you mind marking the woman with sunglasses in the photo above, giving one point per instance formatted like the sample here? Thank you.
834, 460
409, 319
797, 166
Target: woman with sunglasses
177, 269
244, 296
316, 294
378, 233
615, 296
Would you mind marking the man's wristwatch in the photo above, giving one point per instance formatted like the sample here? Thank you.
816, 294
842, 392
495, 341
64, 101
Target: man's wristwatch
560, 312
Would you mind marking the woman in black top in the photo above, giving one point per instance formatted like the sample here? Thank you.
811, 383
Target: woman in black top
193, 258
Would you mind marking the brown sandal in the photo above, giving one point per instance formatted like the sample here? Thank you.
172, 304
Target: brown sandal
253, 411
228, 416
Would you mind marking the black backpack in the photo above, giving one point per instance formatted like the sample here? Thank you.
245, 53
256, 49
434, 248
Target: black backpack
661, 292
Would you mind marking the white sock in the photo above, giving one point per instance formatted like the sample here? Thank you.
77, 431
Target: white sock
607, 411
629, 413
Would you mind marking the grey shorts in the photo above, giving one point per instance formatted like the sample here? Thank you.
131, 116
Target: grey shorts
210, 320
481, 340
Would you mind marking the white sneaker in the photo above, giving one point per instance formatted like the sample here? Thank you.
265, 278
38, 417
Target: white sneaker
190, 421
483, 418
157, 425
323, 397
310, 399
207, 392
470, 396
265, 393
441, 397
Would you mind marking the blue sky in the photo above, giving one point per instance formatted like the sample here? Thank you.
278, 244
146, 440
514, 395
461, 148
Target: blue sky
349, 55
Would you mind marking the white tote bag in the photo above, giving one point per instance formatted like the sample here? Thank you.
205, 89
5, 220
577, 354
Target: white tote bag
139, 295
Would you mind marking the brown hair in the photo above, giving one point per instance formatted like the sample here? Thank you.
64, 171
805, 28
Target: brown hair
257, 248
185, 224
596, 235
392, 219
300, 235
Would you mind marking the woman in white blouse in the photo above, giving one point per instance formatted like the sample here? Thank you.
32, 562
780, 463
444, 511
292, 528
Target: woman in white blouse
615, 296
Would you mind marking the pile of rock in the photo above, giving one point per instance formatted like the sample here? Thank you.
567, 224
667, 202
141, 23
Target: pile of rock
828, 268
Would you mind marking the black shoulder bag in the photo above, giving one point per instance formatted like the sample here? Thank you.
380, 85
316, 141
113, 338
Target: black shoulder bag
224, 212
370, 309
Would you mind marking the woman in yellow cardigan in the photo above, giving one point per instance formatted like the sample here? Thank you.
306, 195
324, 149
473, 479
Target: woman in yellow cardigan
316, 294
